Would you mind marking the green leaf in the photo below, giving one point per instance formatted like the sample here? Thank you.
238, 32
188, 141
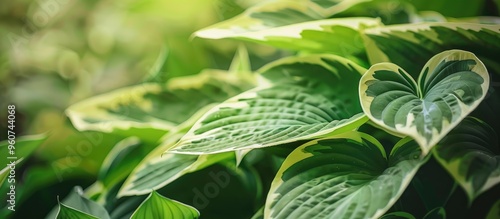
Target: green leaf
497, 2
241, 61
296, 25
157, 206
66, 212
274, 14
450, 86
436, 213
24, 146
478, 20
157, 169
429, 16
451, 8
298, 98
121, 160
75, 205
150, 110
470, 153
494, 212
314, 36
411, 45
398, 215
156, 74
259, 214
240, 154
347, 176
389, 11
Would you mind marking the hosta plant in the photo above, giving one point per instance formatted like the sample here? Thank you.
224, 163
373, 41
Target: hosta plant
372, 112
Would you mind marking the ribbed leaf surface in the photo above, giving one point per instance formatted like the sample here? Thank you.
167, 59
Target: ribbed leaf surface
344, 177
450, 86
471, 154
298, 98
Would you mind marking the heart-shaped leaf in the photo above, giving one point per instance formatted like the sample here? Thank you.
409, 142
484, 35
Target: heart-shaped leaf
470, 153
157, 206
298, 98
450, 86
348, 176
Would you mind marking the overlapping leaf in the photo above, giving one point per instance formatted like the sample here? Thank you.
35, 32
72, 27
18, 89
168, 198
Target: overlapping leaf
75, 205
157, 206
389, 11
451, 8
149, 110
411, 45
338, 36
259, 214
118, 164
298, 98
398, 215
24, 146
272, 14
348, 176
298, 25
449, 87
470, 153
66, 212
157, 169
436, 213
494, 211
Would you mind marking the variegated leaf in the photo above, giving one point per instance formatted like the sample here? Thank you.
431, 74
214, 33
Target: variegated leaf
298, 98
272, 14
389, 11
347, 176
121, 160
470, 153
315, 36
450, 86
298, 25
157, 169
411, 45
150, 110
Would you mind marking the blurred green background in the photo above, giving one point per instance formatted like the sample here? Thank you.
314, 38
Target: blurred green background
54, 53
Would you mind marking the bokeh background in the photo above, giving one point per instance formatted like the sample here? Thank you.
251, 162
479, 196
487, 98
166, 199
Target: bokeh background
54, 53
